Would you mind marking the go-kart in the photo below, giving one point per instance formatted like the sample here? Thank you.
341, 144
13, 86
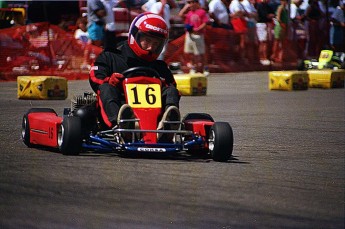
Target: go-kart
81, 128
328, 59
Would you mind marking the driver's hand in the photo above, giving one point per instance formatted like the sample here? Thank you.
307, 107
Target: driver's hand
115, 79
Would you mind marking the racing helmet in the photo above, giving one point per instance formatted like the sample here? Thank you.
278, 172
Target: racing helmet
151, 26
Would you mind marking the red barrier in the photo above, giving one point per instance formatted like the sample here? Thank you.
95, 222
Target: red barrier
42, 49
223, 53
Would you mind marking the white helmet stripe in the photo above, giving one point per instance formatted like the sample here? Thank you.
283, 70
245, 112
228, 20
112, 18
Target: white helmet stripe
145, 16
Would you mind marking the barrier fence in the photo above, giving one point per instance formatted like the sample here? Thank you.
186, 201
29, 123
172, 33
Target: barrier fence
45, 49
42, 49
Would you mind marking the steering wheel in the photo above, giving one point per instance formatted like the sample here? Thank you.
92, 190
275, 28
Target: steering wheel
141, 71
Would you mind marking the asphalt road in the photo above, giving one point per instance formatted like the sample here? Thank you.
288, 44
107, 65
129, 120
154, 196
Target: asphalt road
287, 169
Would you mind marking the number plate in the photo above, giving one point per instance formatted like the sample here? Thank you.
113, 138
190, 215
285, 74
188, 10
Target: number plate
144, 95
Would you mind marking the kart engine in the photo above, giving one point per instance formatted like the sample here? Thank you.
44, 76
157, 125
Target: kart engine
84, 106
79, 101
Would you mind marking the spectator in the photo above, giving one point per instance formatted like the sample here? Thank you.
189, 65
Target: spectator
219, 13
327, 7
147, 6
263, 28
252, 41
95, 15
280, 32
324, 24
299, 32
332, 5
82, 36
316, 32
162, 8
195, 19
337, 31
109, 39
204, 4
239, 22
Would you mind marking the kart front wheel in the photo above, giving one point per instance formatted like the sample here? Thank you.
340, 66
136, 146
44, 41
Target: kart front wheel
70, 136
220, 141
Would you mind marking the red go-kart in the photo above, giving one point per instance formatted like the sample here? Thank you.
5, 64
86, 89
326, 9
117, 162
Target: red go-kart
81, 128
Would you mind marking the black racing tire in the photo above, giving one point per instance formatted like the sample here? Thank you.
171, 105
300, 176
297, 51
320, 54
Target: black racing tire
301, 65
203, 116
26, 124
70, 136
26, 131
41, 110
221, 141
342, 65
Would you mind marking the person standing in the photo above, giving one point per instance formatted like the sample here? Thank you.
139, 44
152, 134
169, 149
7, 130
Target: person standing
95, 15
147, 6
316, 31
81, 34
195, 19
299, 35
263, 28
252, 40
82, 37
280, 32
109, 29
219, 12
337, 31
238, 19
162, 8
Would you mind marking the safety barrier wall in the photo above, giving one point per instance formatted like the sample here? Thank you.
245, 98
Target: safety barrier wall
223, 52
44, 49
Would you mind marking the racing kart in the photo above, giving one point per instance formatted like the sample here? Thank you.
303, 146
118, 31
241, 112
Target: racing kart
81, 128
328, 59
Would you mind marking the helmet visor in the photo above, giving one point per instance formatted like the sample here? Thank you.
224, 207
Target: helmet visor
151, 43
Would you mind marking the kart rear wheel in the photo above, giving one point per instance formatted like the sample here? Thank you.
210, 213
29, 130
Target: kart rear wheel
26, 131
220, 141
70, 136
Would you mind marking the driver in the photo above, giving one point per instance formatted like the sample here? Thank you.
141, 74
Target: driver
147, 36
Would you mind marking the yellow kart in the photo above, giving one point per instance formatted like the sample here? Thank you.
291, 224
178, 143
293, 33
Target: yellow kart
328, 59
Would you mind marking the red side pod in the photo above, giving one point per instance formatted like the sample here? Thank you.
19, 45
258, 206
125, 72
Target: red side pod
44, 128
198, 126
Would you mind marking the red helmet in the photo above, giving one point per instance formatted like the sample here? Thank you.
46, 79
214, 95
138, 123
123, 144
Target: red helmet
152, 27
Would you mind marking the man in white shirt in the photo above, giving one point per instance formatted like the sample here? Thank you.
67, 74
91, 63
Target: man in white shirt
218, 11
162, 8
